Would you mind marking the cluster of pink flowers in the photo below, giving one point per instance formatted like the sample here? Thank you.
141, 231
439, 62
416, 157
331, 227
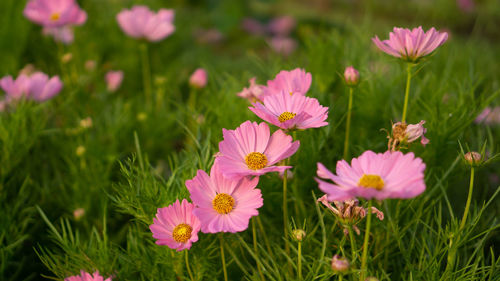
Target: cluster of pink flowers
226, 199
37, 87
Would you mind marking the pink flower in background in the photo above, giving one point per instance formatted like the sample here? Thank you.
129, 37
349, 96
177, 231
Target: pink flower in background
42, 88
291, 112
142, 23
467, 6
84, 276
176, 226
114, 79
296, 81
411, 45
198, 79
62, 34
282, 26
374, 175
251, 151
351, 76
253, 26
283, 45
55, 13
224, 205
15, 89
252, 93
489, 116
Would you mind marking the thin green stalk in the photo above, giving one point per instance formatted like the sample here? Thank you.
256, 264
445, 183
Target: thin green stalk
187, 265
340, 277
266, 240
255, 249
146, 72
348, 124
299, 260
353, 244
407, 91
222, 257
469, 199
365, 243
285, 212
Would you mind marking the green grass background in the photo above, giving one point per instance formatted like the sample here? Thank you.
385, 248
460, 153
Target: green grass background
138, 155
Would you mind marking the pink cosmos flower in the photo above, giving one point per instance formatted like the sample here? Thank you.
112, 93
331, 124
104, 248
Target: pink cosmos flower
198, 79
62, 34
253, 92
253, 26
489, 116
411, 45
224, 205
141, 22
296, 81
291, 112
114, 79
251, 151
42, 88
176, 226
15, 89
84, 276
374, 175
55, 13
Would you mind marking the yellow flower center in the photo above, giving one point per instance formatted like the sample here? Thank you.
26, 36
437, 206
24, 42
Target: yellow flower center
182, 233
371, 181
286, 116
223, 203
55, 16
256, 160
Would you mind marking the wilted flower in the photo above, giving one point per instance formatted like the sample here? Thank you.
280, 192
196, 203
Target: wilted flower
253, 92
349, 212
340, 264
351, 76
142, 23
403, 134
411, 45
176, 226
224, 205
114, 80
90, 65
296, 81
208, 36
198, 79
250, 150
78, 213
253, 26
283, 45
473, 158
291, 112
298, 234
50, 13
374, 175
84, 276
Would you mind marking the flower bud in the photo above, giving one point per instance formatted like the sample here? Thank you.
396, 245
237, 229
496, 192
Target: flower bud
298, 234
66, 57
473, 158
90, 65
114, 80
371, 279
86, 123
80, 150
198, 79
340, 264
351, 76
78, 213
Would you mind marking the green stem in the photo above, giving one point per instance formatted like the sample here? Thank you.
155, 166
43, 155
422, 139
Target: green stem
469, 199
285, 212
266, 241
255, 249
222, 257
340, 277
353, 244
146, 72
407, 91
365, 243
299, 260
187, 265
348, 124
